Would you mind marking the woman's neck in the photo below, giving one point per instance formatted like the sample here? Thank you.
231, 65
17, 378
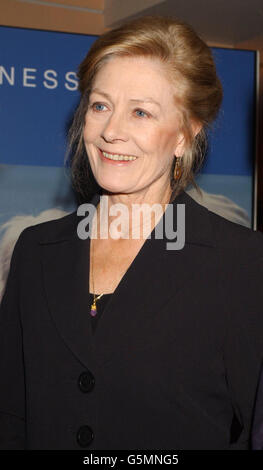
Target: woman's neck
132, 215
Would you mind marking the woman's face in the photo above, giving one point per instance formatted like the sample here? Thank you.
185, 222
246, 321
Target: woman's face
132, 114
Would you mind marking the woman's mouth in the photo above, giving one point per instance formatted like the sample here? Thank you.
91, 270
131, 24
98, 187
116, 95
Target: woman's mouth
116, 159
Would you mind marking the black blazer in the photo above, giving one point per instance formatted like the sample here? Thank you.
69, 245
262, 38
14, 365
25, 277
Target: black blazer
174, 361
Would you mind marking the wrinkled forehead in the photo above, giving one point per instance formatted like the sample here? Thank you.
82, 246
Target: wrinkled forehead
135, 75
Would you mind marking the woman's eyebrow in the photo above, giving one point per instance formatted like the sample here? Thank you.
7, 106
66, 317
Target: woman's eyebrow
145, 100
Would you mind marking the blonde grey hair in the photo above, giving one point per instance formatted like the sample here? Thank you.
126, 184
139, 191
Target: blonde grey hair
188, 63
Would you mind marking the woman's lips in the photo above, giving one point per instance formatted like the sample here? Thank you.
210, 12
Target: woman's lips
115, 162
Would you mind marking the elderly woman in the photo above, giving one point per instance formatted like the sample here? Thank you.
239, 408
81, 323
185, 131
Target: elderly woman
146, 341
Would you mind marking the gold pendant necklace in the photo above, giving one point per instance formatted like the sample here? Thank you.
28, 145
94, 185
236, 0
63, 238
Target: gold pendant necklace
93, 309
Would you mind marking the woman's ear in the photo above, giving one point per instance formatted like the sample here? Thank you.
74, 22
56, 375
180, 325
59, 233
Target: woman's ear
179, 149
180, 146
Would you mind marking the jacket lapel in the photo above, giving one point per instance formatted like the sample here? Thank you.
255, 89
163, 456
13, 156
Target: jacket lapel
134, 312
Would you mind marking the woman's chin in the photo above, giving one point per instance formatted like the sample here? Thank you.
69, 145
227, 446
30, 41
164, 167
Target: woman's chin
113, 188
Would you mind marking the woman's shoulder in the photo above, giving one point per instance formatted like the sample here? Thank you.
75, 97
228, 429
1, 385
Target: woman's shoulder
225, 234
235, 237
59, 226
52, 230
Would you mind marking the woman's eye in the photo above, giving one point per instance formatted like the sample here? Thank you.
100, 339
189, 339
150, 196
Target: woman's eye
97, 106
141, 113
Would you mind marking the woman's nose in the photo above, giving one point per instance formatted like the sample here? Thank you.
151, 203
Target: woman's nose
114, 128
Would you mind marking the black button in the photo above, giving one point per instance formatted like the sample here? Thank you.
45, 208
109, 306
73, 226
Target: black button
86, 381
84, 436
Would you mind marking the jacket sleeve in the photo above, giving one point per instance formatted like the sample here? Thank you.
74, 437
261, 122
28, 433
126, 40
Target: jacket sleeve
257, 429
12, 389
243, 348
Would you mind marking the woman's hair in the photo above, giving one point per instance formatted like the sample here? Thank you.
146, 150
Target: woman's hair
188, 63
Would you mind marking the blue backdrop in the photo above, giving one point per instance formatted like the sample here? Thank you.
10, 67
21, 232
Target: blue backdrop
38, 95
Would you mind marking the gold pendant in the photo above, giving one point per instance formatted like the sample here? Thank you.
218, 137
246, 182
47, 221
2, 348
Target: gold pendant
93, 310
